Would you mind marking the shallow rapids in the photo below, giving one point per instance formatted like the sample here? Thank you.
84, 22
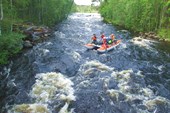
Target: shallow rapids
62, 76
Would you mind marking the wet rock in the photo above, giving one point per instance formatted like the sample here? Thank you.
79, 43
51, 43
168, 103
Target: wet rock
157, 37
139, 39
141, 33
33, 33
166, 40
30, 29
151, 35
27, 44
124, 31
161, 39
35, 36
146, 34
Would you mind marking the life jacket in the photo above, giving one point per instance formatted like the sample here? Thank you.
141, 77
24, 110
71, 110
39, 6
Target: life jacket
102, 36
94, 38
110, 41
104, 40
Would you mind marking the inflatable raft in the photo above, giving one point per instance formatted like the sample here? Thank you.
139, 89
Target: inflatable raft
92, 46
103, 49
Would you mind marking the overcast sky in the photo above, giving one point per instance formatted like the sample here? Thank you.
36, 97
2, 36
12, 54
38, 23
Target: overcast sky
83, 2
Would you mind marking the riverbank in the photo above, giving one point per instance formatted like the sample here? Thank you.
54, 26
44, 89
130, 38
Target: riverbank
22, 37
33, 33
145, 35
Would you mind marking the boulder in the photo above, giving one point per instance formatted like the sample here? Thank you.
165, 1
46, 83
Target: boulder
27, 44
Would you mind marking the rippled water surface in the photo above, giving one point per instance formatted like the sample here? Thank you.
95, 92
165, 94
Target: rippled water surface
61, 75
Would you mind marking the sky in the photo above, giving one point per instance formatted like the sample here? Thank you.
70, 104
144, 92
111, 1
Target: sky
83, 2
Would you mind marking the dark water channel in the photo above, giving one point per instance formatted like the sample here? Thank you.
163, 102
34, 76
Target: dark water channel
61, 75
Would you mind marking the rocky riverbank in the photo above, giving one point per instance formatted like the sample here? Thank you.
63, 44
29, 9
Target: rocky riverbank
33, 34
152, 35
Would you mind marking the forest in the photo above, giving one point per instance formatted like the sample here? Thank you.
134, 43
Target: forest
38, 12
139, 15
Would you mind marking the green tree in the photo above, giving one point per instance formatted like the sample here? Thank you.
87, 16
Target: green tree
40, 12
138, 15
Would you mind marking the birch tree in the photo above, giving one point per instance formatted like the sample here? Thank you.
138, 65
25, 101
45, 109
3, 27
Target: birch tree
2, 15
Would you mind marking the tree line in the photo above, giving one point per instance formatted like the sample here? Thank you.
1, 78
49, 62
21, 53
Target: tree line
139, 15
39, 12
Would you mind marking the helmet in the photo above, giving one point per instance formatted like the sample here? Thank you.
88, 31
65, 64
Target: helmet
112, 35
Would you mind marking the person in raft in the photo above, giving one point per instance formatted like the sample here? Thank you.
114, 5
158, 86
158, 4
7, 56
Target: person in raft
102, 36
101, 40
104, 42
94, 39
111, 39
108, 40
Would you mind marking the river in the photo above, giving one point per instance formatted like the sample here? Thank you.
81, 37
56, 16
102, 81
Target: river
61, 75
